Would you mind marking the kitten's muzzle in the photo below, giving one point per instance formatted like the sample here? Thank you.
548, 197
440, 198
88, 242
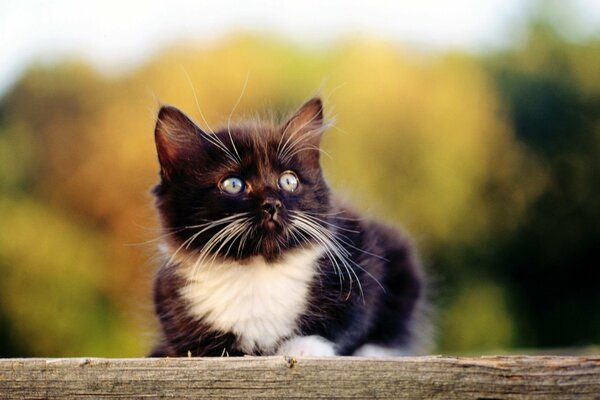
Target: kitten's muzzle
270, 208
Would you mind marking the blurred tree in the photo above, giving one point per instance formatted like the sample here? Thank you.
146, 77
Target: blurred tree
52, 287
62, 262
551, 91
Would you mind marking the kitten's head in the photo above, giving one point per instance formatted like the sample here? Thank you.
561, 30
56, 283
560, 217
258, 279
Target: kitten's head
247, 190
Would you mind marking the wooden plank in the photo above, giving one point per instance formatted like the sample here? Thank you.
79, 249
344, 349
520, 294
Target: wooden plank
434, 377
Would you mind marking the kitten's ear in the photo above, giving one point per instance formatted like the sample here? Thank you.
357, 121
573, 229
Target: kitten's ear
309, 118
176, 138
302, 133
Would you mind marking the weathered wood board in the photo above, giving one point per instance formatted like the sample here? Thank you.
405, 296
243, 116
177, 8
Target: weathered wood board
434, 377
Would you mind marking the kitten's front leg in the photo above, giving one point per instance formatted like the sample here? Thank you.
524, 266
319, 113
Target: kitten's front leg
307, 346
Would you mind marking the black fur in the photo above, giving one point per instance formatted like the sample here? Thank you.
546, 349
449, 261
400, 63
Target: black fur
193, 164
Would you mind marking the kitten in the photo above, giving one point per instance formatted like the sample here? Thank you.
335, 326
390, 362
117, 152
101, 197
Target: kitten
261, 258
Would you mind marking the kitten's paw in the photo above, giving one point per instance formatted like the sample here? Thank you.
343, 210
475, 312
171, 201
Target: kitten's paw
374, 350
307, 346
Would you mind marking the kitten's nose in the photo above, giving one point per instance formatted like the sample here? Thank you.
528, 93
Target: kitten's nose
271, 206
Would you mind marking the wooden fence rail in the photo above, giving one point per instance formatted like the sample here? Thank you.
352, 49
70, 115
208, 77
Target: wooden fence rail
512, 377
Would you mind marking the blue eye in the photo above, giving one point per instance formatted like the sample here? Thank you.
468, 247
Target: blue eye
288, 181
232, 185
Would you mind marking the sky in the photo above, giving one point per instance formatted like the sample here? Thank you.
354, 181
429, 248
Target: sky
116, 34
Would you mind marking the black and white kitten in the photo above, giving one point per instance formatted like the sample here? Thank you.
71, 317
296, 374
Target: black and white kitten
261, 259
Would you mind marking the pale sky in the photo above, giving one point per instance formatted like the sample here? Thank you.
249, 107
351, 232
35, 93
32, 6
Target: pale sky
113, 33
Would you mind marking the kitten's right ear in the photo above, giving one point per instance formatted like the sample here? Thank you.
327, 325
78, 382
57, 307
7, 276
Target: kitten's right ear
176, 137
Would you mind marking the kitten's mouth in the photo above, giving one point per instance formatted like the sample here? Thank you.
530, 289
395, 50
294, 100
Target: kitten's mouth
272, 237
271, 223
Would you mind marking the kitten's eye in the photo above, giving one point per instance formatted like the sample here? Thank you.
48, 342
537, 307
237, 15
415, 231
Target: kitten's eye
232, 185
288, 181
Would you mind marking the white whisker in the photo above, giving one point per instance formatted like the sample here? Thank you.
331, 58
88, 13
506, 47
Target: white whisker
221, 236
327, 251
337, 245
230, 222
289, 148
233, 234
327, 247
343, 238
243, 238
307, 148
196, 99
205, 227
231, 114
216, 141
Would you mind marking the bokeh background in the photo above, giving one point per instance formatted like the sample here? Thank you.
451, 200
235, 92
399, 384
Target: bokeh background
476, 127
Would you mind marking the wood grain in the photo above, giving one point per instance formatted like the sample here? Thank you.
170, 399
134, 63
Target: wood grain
434, 377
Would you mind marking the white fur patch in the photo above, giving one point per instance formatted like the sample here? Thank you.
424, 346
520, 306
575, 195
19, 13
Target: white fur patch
307, 346
374, 350
257, 301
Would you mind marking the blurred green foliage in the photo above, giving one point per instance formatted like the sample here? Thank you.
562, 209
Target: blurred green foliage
492, 163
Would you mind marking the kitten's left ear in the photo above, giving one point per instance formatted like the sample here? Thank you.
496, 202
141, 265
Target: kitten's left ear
307, 124
302, 134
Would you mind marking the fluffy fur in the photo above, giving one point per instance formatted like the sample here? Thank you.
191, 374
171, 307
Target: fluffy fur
257, 301
276, 268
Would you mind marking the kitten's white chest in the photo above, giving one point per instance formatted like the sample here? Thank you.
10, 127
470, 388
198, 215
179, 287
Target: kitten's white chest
258, 302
